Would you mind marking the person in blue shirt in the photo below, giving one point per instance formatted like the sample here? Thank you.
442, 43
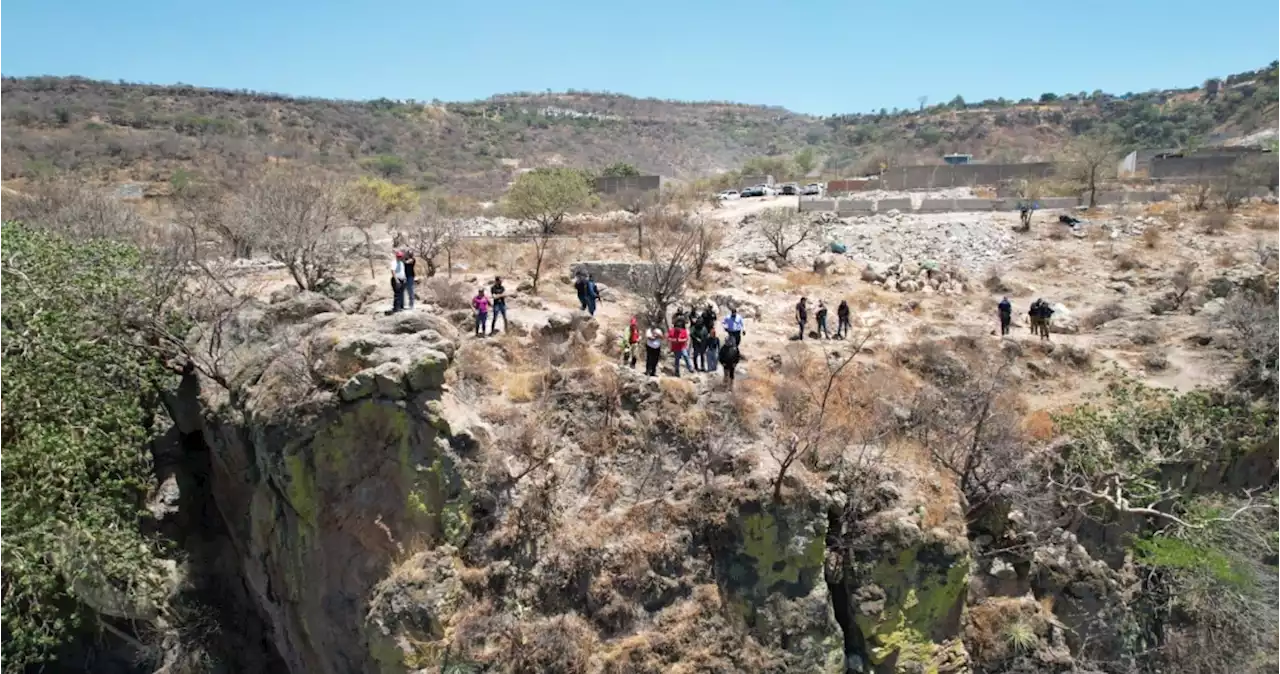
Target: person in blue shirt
1006, 316
733, 327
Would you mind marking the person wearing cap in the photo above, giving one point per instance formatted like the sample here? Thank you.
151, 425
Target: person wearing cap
398, 281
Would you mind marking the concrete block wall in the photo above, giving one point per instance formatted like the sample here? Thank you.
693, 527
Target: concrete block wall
855, 206
1191, 167
925, 177
886, 205
937, 205
614, 185
817, 204
975, 204
1059, 202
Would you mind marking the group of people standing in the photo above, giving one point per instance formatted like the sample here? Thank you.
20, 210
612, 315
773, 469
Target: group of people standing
496, 301
1040, 315
842, 318
690, 331
402, 280
588, 292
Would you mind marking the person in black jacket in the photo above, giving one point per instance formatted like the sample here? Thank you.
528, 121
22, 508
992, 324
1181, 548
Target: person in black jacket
802, 315
580, 285
822, 320
498, 295
729, 358
1006, 315
842, 320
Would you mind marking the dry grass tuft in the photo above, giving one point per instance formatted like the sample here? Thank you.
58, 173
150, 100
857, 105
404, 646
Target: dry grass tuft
1042, 262
678, 391
1215, 223
800, 280
524, 387
1264, 223
1127, 261
1151, 237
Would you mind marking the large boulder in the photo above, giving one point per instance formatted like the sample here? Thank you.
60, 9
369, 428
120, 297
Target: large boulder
562, 325
875, 272
830, 263
303, 305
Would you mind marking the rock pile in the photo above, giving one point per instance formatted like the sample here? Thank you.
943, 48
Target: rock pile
975, 241
909, 276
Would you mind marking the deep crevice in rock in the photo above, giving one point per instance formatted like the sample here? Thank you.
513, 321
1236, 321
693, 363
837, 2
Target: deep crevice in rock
855, 651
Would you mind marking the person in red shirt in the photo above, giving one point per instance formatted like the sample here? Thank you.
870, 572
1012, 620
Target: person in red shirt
678, 337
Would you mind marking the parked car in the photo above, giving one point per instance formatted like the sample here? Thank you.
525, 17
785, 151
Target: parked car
789, 189
812, 189
753, 191
728, 194
768, 191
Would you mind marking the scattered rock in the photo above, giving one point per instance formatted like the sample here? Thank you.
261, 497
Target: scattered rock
388, 380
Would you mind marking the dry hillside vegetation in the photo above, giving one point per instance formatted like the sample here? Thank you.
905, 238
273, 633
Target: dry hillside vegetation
118, 132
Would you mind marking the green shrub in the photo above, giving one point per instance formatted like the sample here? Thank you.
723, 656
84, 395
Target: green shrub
79, 392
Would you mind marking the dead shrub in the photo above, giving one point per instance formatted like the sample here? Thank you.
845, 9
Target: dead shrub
1058, 233
1155, 361
1127, 262
1264, 223
1077, 357
1151, 238
1146, 334
445, 293
1104, 314
1044, 261
1215, 223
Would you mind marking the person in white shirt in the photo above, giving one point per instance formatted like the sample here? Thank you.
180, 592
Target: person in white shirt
733, 326
398, 281
652, 350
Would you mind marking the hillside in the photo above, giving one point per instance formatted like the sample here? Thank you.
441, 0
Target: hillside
114, 132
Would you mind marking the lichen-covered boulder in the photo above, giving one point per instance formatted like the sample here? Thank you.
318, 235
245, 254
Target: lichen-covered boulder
770, 563
906, 592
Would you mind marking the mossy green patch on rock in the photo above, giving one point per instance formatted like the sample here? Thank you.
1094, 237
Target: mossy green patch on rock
772, 570
923, 590
302, 488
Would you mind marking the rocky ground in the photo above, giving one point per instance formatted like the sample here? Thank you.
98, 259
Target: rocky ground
407, 496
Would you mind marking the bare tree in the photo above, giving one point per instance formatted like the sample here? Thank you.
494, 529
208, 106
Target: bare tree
1091, 159
804, 405
431, 233
1201, 190
76, 212
299, 217
970, 426
784, 230
707, 239
661, 282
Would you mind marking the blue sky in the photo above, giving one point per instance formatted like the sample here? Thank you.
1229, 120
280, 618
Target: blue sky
815, 56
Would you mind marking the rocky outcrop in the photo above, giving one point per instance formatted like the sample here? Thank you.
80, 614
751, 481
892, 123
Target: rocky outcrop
333, 456
771, 561
900, 586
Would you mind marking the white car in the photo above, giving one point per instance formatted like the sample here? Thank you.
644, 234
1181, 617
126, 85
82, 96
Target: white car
728, 194
768, 191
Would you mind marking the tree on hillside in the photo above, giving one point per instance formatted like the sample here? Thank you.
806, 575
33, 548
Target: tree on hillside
368, 201
708, 237
80, 391
545, 196
429, 234
662, 282
299, 218
805, 161
1090, 160
620, 170
784, 230
778, 167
